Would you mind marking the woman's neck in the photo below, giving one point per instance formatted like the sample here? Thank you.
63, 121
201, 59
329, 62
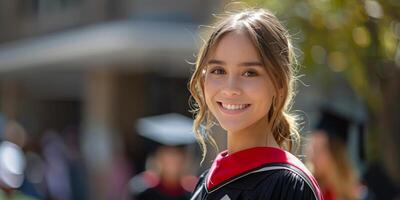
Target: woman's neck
257, 135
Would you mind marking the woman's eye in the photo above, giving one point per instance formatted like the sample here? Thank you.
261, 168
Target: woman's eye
217, 71
250, 73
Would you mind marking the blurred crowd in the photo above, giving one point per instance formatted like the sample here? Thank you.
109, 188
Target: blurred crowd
47, 168
52, 167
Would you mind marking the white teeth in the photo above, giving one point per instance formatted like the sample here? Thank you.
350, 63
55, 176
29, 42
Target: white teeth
234, 106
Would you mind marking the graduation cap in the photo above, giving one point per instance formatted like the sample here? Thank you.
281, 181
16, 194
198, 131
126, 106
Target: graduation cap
337, 127
12, 165
167, 129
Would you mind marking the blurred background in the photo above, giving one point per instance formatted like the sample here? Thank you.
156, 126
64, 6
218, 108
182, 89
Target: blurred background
77, 75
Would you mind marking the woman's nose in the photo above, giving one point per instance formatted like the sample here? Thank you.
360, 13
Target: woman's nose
232, 86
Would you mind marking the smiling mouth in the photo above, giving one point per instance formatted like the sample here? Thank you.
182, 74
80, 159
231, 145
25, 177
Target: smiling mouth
233, 107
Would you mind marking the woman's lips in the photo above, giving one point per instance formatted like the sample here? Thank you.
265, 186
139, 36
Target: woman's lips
229, 108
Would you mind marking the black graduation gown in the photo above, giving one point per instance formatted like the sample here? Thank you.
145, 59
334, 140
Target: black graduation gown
272, 178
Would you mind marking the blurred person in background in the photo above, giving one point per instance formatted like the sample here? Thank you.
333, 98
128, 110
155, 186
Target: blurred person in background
57, 175
167, 176
328, 155
14, 183
12, 167
76, 165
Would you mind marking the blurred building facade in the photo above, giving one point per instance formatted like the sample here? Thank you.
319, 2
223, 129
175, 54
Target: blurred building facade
97, 65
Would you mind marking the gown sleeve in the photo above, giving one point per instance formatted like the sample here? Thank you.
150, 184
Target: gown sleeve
284, 185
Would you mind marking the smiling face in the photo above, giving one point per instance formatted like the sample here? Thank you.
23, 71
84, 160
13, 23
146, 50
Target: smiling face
237, 88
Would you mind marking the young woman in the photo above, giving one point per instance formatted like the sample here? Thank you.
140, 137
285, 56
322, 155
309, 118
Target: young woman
244, 82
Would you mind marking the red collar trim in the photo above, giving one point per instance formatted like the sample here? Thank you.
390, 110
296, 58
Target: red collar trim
226, 167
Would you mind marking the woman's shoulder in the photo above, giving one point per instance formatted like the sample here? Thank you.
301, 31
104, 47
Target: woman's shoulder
277, 184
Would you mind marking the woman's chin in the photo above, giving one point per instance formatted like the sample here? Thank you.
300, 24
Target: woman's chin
232, 128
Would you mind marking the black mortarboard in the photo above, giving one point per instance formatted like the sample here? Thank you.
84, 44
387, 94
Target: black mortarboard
167, 129
335, 125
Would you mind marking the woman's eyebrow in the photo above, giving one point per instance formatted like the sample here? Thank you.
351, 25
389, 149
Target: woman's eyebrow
244, 64
216, 62
251, 64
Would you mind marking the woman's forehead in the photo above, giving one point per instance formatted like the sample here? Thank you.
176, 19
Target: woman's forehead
234, 46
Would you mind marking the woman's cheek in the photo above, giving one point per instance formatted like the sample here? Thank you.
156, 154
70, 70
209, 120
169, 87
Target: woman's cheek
255, 86
211, 84
209, 90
